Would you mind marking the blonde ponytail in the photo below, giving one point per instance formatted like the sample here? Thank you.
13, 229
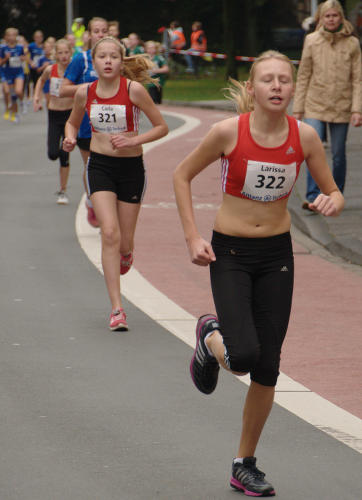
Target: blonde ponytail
237, 93
138, 68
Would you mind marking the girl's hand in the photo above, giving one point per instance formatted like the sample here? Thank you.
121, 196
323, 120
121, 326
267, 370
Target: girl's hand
120, 141
201, 252
325, 205
37, 104
69, 144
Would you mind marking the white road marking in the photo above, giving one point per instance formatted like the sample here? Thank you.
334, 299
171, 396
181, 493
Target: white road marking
290, 394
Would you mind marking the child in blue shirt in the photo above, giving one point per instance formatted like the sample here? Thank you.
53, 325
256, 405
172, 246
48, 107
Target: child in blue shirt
11, 60
79, 71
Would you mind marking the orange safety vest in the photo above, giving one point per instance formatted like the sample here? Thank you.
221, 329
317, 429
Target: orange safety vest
178, 40
194, 40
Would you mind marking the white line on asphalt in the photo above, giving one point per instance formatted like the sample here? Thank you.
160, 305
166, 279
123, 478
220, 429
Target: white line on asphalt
291, 395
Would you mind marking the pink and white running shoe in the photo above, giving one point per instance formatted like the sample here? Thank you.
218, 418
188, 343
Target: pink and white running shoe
117, 321
126, 263
91, 216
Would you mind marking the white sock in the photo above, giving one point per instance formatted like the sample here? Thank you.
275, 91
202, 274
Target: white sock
208, 350
238, 460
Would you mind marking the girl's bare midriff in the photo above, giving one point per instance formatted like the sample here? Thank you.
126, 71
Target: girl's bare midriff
60, 103
252, 219
101, 144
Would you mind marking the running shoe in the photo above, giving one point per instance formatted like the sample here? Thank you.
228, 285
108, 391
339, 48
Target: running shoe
91, 216
248, 478
62, 198
6, 115
24, 107
204, 368
117, 321
126, 263
15, 118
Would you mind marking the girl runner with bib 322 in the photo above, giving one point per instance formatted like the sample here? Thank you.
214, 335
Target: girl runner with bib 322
115, 171
250, 256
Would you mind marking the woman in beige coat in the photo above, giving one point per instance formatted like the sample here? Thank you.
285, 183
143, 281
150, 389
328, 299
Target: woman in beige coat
328, 87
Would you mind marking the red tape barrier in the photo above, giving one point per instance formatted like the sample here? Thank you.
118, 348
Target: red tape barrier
215, 55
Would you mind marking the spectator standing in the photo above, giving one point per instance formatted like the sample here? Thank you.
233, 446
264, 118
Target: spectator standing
199, 43
161, 70
78, 30
328, 88
177, 40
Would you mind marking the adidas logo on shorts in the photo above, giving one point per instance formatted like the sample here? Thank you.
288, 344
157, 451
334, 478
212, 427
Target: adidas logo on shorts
284, 268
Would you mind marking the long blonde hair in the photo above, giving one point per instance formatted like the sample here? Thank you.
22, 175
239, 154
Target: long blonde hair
334, 4
330, 4
237, 92
134, 67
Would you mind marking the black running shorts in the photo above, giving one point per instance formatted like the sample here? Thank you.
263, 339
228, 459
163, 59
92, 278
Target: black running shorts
124, 176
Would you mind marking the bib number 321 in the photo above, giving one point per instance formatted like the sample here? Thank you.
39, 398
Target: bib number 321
109, 119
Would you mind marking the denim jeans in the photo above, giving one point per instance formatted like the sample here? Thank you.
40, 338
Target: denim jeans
338, 135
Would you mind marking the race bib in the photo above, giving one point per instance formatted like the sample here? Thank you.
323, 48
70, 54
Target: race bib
55, 84
268, 181
36, 59
15, 62
108, 118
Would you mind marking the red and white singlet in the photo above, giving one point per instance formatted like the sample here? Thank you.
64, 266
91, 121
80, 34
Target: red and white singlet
114, 114
55, 81
262, 174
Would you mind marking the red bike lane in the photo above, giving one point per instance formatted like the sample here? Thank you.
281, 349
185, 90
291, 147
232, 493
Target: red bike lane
323, 344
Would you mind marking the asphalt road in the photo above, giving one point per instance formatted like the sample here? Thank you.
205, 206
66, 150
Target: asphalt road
87, 414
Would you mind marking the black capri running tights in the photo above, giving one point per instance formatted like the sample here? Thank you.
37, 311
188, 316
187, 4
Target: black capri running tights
252, 286
56, 124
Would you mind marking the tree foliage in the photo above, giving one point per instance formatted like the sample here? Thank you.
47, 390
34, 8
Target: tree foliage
238, 27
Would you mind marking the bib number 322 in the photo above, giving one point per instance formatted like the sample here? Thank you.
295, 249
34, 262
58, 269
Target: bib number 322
270, 181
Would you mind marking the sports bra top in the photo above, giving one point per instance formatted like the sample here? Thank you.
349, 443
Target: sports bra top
112, 115
258, 173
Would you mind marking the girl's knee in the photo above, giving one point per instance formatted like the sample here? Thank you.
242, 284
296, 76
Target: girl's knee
53, 155
266, 375
243, 360
110, 236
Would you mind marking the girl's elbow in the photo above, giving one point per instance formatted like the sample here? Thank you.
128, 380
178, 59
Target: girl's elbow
164, 130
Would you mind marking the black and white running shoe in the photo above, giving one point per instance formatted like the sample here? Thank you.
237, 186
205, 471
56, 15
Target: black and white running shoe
248, 478
204, 368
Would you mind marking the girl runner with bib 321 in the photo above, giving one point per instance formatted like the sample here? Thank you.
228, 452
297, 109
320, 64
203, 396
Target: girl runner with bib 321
250, 256
115, 171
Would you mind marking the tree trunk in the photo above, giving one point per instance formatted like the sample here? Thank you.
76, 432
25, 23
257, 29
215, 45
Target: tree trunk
230, 25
